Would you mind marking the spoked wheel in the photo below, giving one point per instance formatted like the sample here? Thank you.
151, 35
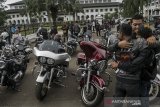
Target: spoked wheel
154, 92
41, 90
93, 97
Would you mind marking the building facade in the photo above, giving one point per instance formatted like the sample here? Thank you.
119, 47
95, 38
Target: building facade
152, 9
91, 8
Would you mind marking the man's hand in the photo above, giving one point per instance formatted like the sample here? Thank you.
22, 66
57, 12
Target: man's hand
114, 64
151, 40
124, 44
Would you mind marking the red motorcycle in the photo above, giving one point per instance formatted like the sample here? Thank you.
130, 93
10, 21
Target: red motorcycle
91, 63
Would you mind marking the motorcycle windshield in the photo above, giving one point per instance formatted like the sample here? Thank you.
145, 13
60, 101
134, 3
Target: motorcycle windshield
50, 45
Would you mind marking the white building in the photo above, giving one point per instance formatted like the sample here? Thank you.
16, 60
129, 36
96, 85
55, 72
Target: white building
152, 9
91, 8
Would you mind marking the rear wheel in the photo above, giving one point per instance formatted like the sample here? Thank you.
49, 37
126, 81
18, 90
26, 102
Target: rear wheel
93, 97
41, 90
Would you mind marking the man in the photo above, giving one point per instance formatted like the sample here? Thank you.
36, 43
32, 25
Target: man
157, 24
129, 64
17, 37
53, 31
97, 26
76, 29
65, 31
136, 22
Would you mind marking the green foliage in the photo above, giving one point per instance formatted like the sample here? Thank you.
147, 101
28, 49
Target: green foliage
111, 15
53, 7
3, 17
131, 7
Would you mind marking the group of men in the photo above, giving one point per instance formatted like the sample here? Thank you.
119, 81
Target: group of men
137, 47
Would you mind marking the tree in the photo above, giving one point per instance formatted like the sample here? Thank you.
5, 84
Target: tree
53, 7
3, 15
34, 8
74, 7
131, 7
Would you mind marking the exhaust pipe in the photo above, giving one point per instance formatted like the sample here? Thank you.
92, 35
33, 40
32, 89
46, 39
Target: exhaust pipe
18, 76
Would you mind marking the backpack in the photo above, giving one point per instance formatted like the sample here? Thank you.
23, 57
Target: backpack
149, 71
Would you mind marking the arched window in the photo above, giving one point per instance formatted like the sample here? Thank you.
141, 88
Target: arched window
82, 17
92, 17
78, 17
87, 17
18, 21
44, 19
14, 22
10, 22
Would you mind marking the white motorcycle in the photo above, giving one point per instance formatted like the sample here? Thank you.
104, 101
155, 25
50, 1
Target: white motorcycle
52, 60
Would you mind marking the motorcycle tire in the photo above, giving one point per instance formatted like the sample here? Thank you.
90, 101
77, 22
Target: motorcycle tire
70, 51
41, 90
91, 101
154, 92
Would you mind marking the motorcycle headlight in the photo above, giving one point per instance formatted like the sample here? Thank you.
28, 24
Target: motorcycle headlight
42, 60
50, 61
2, 64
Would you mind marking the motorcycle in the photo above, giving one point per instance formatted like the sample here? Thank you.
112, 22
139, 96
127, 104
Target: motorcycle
52, 60
155, 84
11, 67
23, 49
88, 74
71, 45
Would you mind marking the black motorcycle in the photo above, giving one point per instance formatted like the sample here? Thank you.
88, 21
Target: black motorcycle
11, 68
71, 45
24, 50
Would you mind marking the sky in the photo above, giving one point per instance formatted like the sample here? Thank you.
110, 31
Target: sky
11, 1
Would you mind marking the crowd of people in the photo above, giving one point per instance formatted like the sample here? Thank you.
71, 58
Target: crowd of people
137, 46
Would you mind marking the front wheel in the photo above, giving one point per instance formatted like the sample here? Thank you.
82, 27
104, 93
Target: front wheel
93, 97
70, 51
41, 90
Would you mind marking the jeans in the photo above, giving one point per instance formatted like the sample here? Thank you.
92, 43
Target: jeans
127, 90
144, 95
